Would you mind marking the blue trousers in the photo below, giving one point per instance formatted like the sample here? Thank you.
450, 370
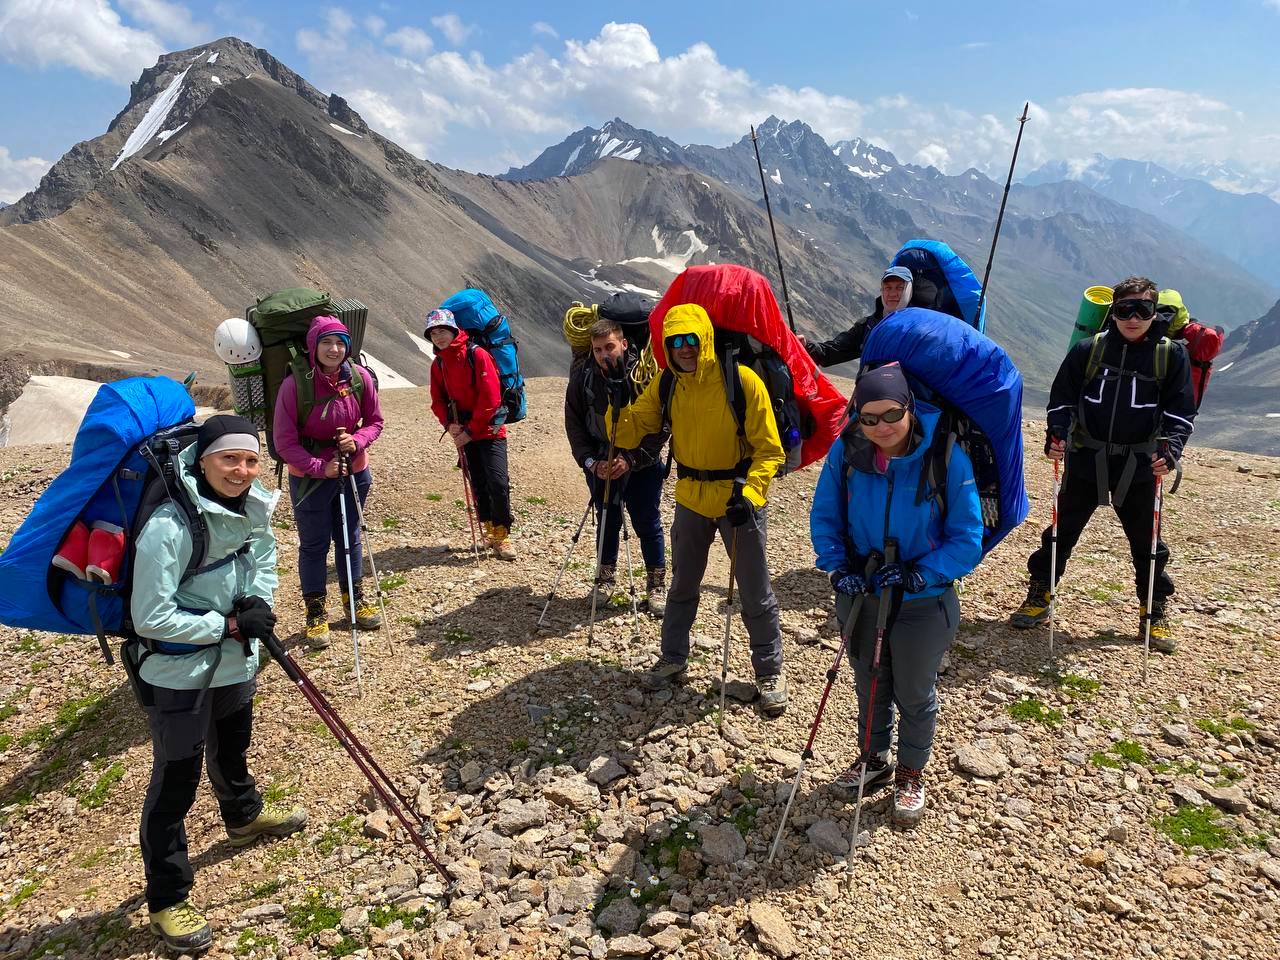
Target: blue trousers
640, 492
319, 521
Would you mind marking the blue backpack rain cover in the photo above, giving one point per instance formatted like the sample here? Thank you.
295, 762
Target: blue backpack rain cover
489, 328
956, 288
979, 390
104, 481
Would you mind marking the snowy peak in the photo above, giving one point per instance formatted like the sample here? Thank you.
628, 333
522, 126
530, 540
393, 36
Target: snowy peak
864, 159
617, 139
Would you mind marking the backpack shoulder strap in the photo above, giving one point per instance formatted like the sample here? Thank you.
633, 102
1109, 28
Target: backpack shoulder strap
737, 399
1094, 364
666, 389
1162, 359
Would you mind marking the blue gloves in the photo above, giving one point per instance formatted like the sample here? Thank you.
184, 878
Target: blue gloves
890, 575
850, 584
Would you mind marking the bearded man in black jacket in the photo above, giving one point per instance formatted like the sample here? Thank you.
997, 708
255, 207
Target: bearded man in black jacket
1120, 412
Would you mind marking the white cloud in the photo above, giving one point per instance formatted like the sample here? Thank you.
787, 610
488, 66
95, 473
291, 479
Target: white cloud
451, 25
933, 155
375, 25
410, 41
338, 26
171, 21
86, 35
547, 30
19, 176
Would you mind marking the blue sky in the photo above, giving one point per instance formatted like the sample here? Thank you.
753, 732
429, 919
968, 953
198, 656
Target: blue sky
485, 85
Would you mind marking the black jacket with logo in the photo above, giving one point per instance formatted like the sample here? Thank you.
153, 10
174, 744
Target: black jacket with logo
1125, 405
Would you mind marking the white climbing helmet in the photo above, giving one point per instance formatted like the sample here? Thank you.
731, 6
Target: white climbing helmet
235, 341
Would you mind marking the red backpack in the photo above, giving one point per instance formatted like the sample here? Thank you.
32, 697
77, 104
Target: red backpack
1203, 344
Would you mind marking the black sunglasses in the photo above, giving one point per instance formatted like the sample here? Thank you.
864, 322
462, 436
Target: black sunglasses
1128, 309
889, 416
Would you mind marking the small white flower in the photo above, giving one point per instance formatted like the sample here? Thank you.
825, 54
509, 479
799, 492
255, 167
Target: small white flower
635, 892
688, 836
653, 881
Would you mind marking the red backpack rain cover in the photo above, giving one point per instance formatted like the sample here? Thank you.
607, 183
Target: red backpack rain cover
741, 300
1203, 344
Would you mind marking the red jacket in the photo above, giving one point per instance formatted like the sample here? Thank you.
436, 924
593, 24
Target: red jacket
475, 391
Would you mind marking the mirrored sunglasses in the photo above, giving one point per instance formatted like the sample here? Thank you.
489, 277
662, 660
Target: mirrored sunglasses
683, 340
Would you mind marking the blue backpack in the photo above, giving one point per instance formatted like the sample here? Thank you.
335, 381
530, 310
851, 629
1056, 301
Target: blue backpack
972, 380
942, 281
123, 466
490, 329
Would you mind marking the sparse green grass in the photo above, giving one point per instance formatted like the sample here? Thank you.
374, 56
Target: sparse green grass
312, 915
1219, 728
251, 941
435, 497
591, 823
268, 889
96, 796
1080, 686
387, 915
1191, 827
519, 745
28, 643
6, 741
1030, 709
391, 523
337, 834
36, 735
26, 890
536, 501
113, 929
744, 818
392, 581
277, 793
94, 858
57, 947
6, 711
483, 670
455, 635
1120, 754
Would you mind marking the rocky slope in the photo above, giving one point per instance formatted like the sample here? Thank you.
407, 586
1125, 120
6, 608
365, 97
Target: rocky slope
1073, 812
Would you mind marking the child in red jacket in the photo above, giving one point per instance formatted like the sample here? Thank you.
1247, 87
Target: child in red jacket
466, 396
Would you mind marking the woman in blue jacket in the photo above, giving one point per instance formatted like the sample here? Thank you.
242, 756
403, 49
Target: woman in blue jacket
866, 500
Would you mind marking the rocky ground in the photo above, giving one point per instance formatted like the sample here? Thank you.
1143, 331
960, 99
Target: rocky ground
1073, 812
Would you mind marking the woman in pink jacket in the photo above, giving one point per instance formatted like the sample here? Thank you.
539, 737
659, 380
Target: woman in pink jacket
325, 446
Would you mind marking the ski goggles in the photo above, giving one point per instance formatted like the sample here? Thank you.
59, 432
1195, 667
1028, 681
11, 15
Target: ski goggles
683, 340
889, 416
1133, 309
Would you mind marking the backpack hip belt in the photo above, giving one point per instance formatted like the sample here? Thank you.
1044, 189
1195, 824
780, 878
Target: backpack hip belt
738, 472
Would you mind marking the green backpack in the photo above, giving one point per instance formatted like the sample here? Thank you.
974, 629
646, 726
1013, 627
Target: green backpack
282, 320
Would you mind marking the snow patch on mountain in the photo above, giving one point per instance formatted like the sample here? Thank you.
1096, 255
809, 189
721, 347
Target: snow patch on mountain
388, 379
153, 121
572, 157
164, 135
350, 133
670, 259
591, 278
776, 176
213, 57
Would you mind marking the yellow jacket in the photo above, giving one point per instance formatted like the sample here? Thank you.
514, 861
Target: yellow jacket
704, 433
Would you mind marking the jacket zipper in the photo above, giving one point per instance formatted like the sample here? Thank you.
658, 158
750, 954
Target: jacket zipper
888, 502
1115, 401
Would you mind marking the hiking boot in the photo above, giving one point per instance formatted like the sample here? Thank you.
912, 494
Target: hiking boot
773, 694
317, 632
665, 673
368, 617
486, 529
502, 548
874, 770
182, 928
606, 583
1035, 609
273, 821
908, 796
1161, 632
656, 591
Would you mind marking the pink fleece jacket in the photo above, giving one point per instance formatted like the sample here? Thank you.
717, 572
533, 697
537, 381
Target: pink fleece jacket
336, 406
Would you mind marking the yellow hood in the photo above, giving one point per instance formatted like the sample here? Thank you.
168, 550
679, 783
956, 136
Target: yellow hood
1172, 298
691, 318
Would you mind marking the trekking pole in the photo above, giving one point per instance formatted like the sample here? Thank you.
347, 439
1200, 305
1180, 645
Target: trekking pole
1151, 575
982, 295
565, 566
786, 299
728, 621
382, 784
373, 565
466, 493
631, 577
807, 753
346, 559
601, 523
882, 621
1053, 563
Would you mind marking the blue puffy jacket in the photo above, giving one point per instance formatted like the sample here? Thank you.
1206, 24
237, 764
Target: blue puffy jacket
872, 506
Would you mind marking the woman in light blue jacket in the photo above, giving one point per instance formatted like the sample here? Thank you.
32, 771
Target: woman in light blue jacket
194, 658
867, 504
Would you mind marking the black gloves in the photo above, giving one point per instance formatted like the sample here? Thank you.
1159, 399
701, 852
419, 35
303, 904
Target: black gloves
899, 575
1165, 452
738, 510
254, 618
850, 584
1054, 435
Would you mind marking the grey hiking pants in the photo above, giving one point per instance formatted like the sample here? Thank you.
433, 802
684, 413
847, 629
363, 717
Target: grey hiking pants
915, 640
691, 538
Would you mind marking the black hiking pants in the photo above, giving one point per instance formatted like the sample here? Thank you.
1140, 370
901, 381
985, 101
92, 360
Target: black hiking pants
1077, 500
182, 741
490, 480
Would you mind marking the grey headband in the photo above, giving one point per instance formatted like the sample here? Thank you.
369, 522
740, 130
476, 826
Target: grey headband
233, 441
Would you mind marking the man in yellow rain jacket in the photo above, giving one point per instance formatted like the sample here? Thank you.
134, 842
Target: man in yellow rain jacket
723, 470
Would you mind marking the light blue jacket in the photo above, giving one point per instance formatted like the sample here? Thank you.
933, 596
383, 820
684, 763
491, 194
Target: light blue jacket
163, 608
860, 514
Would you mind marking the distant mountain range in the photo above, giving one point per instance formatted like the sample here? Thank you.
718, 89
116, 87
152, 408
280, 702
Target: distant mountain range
227, 175
1242, 226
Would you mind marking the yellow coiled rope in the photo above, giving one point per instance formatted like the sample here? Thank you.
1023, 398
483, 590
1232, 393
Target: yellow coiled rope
577, 331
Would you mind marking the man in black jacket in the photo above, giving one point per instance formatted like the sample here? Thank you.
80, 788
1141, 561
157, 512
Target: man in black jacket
895, 294
637, 474
1120, 411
